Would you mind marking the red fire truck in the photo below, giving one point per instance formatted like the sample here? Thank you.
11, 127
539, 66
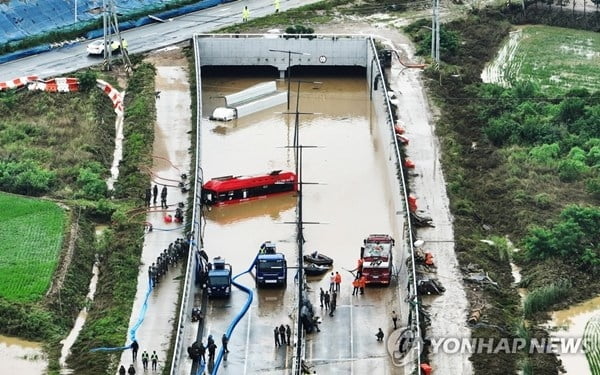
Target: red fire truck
377, 256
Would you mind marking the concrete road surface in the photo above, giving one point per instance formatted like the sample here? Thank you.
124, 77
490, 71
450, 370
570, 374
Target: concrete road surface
170, 159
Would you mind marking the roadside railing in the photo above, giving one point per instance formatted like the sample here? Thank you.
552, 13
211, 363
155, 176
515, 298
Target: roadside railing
195, 235
409, 240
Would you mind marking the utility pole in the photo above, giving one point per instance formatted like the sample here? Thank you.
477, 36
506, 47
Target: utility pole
299, 224
289, 70
435, 32
111, 25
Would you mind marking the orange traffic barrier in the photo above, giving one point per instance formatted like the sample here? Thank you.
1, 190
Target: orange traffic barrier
412, 203
402, 139
399, 129
426, 369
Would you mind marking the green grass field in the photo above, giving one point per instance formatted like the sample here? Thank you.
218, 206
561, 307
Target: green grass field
556, 59
31, 235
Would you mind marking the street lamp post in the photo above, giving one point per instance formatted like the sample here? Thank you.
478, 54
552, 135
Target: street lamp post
289, 69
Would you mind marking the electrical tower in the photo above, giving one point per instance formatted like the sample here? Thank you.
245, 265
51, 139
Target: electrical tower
435, 32
110, 27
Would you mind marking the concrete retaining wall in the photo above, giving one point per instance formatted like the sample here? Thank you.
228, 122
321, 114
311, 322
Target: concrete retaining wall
281, 50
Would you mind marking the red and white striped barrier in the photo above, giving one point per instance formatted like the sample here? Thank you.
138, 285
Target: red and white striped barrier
61, 84
64, 84
115, 96
17, 82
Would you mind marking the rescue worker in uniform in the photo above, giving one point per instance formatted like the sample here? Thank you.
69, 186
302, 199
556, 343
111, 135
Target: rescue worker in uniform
362, 283
356, 285
211, 352
282, 334
245, 14
338, 281
147, 197
145, 357
154, 360
163, 197
288, 333
225, 341
134, 349
276, 335
155, 193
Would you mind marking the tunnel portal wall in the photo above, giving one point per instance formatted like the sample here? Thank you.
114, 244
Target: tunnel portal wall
283, 50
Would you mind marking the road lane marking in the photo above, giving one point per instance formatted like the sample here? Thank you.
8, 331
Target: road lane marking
247, 340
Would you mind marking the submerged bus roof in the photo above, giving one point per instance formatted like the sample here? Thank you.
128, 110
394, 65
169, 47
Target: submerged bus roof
229, 183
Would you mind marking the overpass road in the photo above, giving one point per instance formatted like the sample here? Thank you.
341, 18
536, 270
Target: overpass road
74, 57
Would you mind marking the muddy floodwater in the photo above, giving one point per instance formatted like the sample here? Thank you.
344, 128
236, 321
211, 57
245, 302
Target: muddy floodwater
347, 200
21, 356
570, 324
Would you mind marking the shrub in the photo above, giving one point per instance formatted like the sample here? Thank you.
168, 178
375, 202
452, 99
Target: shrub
571, 170
543, 201
542, 298
545, 154
87, 80
593, 156
91, 184
502, 130
593, 187
25, 177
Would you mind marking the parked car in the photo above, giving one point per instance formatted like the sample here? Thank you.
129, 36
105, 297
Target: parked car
97, 46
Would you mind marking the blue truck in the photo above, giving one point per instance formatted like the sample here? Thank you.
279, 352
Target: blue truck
219, 278
271, 266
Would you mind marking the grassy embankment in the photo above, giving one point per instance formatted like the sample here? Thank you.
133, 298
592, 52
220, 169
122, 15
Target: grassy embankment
59, 145
516, 160
120, 246
50, 145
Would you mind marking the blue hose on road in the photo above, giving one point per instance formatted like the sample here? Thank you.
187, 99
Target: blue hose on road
133, 330
238, 317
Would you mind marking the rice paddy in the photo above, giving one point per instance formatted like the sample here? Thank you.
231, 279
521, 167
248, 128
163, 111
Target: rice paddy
554, 58
31, 236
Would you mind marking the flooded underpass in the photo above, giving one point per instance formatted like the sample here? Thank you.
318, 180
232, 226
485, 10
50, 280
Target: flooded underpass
348, 199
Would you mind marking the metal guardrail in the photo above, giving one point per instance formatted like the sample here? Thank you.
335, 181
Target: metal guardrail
403, 182
196, 242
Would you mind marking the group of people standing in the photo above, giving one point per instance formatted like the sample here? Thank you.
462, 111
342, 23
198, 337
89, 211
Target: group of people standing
282, 335
359, 284
169, 257
329, 301
152, 196
197, 351
146, 358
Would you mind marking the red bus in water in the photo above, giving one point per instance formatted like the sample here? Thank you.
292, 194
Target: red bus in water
235, 189
377, 258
